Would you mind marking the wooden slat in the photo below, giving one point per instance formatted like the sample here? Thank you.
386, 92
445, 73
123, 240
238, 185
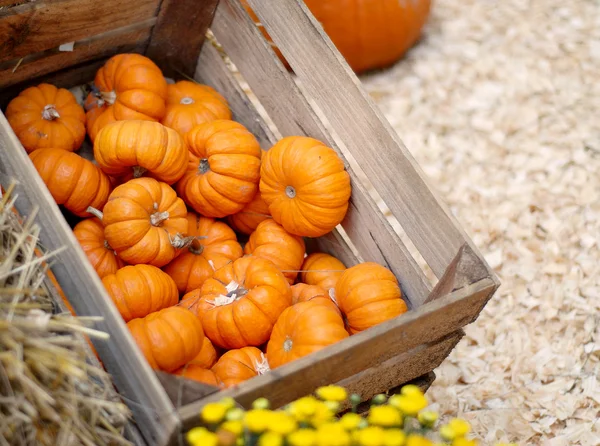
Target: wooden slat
359, 352
365, 224
131, 39
182, 391
179, 34
38, 26
121, 357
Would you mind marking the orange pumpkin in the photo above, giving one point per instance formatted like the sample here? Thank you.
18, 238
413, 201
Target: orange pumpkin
207, 357
368, 294
270, 241
47, 117
237, 366
138, 290
321, 269
246, 220
128, 86
169, 338
224, 168
305, 185
190, 104
90, 235
215, 246
240, 304
142, 147
74, 182
302, 329
302, 292
145, 222
197, 373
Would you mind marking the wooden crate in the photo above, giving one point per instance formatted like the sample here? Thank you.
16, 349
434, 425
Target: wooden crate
324, 100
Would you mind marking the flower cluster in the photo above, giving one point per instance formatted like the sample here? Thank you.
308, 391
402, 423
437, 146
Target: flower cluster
401, 420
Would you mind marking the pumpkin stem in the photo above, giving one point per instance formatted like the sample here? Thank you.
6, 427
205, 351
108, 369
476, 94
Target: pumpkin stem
108, 97
287, 344
262, 367
196, 247
186, 101
203, 167
49, 113
179, 242
290, 192
234, 292
158, 217
95, 212
138, 171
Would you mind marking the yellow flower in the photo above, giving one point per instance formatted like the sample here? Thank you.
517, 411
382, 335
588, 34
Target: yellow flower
333, 406
235, 414
200, 436
350, 421
460, 427
411, 389
385, 416
332, 393
332, 434
270, 439
322, 414
370, 436
409, 404
302, 437
257, 420
213, 413
462, 441
235, 427
394, 437
228, 402
418, 440
261, 403
427, 418
282, 423
303, 408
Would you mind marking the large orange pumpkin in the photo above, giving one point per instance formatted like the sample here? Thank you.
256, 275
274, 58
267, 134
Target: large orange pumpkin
240, 304
305, 185
236, 366
47, 117
369, 34
138, 290
270, 241
141, 147
128, 86
74, 182
368, 294
302, 329
246, 220
169, 338
197, 373
215, 246
321, 269
302, 292
90, 235
145, 222
223, 170
190, 104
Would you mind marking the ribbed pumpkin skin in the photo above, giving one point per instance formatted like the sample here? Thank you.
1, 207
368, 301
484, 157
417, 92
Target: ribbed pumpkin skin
237, 366
169, 338
197, 373
207, 357
190, 104
47, 117
246, 220
368, 294
138, 290
90, 235
302, 292
73, 181
322, 270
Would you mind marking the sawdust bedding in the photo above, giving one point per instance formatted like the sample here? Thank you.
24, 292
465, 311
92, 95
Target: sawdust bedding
500, 105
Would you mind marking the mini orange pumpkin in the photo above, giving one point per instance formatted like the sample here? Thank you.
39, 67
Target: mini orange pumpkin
138, 290
169, 338
240, 304
47, 117
246, 220
302, 292
237, 366
145, 222
224, 168
197, 373
302, 329
141, 147
207, 357
368, 294
215, 246
270, 241
90, 235
129, 86
321, 269
74, 182
305, 185
190, 104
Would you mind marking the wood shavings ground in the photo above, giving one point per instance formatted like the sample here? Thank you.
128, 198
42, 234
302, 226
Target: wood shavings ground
500, 105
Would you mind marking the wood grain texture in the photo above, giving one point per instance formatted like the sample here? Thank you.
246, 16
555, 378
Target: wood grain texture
179, 34
359, 352
38, 26
365, 225
131, 373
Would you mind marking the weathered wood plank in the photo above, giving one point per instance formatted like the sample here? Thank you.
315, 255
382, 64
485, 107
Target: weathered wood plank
365, 225
38, 26
184, 391
179, 34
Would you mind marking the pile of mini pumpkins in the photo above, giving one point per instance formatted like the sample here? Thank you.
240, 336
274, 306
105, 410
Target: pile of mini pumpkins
174, 183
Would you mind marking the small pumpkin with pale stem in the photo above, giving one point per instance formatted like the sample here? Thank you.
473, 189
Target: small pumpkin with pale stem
223, 168
190, 104
47, 117
251, 215
214, 245
302, 292
321, 269
302, 329
127, 87
90, 235
237, 366
306, 186
145, 222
